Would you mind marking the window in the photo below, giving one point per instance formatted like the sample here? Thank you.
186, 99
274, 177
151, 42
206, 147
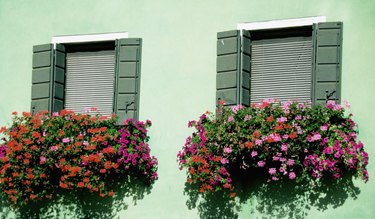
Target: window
289, 59
81, 72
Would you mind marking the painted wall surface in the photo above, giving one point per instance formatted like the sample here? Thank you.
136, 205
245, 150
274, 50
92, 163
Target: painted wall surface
178, 75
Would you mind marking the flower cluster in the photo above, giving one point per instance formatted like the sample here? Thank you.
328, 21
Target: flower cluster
42, 153
287, 140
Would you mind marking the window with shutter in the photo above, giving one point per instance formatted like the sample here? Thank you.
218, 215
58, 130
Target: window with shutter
298, 62
79, 74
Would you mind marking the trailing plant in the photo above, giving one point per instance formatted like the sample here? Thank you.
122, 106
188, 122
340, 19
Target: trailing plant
41, 154
286, 141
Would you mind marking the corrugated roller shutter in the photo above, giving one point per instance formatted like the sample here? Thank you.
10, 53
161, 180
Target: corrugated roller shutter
90, 81
281, 68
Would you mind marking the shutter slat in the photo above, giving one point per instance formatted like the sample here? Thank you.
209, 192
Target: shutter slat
90, 81
281, 68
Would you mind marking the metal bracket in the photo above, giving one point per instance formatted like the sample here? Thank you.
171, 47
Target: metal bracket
127, 104
328, 95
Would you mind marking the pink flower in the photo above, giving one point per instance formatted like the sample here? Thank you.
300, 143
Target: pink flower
324, 127
290, 162
261, 163
230, 119
258, 142
284, 147
292, 175
298, 117
236, 108
227, 150
247, 118
254, 153
54, 148
275, 137
282, 119
272, 171
65, 140
42, 160
346, 104
224, 160
55, 114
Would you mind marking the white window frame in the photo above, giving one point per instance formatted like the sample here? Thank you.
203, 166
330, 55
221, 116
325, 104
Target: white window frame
84, 38
284, 23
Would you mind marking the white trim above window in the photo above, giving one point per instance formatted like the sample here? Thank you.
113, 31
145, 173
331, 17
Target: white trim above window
88, 38
271, 24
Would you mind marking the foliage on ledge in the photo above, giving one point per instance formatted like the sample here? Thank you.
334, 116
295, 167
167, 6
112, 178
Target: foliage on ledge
42, 154
286, 141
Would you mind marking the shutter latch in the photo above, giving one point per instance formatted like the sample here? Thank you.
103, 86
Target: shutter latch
127, 104
328, 95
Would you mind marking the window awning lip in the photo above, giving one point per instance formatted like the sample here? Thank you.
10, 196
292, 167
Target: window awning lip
271, 24
82, 38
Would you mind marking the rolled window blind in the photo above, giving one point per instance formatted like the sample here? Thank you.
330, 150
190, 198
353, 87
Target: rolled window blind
90, 81
281, 68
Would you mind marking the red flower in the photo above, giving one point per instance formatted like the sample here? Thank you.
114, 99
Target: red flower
110, 193
63, 185
102, 170
249, 144
269, 119
81, 184
293, 135
256, 134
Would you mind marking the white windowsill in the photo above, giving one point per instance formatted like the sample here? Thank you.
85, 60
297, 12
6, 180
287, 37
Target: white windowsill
297, 22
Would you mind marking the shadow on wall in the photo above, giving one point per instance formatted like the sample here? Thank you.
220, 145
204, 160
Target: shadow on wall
280, 199
81, 204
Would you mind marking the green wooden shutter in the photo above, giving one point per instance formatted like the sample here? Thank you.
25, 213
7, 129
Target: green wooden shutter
233, 67
327, 61
127, 83
59, 78
47, 92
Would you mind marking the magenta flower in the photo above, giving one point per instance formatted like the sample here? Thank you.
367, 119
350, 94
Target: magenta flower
290, 162
272, 171
254, 153
292, 175
261, 163
284, 147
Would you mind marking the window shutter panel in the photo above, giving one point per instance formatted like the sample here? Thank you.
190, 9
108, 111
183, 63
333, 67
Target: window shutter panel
327, 61
48, 69
128, 72
233, 67
59, 78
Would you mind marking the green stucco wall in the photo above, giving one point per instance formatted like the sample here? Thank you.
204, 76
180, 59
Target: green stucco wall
178, 74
